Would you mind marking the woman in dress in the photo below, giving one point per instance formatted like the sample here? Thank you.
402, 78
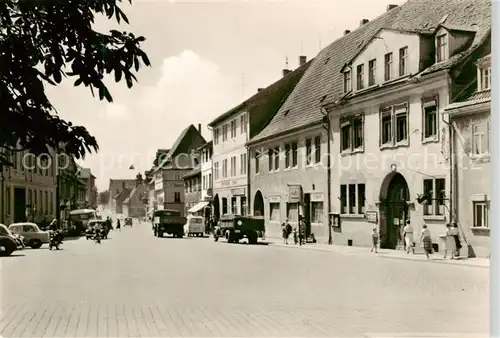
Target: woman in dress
408, 237
456, 236
426, 240
449, 242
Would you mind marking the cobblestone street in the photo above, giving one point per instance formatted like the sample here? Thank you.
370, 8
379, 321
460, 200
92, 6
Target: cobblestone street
137, 285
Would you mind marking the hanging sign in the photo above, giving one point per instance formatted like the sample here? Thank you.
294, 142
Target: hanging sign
294, 193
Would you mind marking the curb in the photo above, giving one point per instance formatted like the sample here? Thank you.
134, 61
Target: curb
305, 247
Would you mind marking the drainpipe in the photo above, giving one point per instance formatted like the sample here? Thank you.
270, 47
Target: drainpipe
248, 180
2, 191
451, 156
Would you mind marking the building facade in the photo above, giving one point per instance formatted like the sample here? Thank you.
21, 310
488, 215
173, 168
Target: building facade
206, 153
171, 168
135, 204
281, 168
29, 189
115, 187
192, 192
90, 188
391, 137
471, 118
231, 132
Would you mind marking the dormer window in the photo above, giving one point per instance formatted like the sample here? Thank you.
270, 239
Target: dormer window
484, 82
360, 77
442, 47
347, 81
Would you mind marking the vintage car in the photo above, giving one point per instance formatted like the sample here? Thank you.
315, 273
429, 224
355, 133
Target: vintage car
168, 221
129, 221
195, 226
4, 231
235, 227
33, 236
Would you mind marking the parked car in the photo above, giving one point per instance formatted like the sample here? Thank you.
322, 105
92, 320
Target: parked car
7, 245
4, 231
195, 226
33, 236
236, 227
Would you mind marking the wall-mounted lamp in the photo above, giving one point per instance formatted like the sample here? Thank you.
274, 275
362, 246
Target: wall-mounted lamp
313, 186
394, 167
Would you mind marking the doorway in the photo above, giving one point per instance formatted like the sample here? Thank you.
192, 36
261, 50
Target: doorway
258, 204
19, 205
394, 195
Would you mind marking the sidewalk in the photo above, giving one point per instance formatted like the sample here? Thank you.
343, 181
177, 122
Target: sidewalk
382, 253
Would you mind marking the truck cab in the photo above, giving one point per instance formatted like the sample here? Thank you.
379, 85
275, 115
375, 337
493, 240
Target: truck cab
168, 221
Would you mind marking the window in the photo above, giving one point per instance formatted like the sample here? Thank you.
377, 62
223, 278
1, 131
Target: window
46, 202
224, 168
209, 181
317, 149
234, 206
361, 198
257, 161
216, 170
480, 140
243, 124
243, 164
294, 154
403, 61
204, 182
233, 166
388, 66
274, 211
480, 210
243, 206
401, 124
7, 200
360, 77
347, 81
292, 212
216, 135
352, 198
343, 198
177, 197
276, 158
270, 159
485, 81
177, 175
435, 189
441, 47
430, 119
233, 128
345, 127
308, 151
316, 212
386, 127
352, 133
224, 206
372, 71
224, 132
287, 155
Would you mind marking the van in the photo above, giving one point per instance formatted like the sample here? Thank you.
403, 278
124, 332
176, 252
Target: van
195, 226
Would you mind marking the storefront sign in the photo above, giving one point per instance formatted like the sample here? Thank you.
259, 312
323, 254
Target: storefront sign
238, 192
371, 216
317, 197
294, 193
174, 185
274, 199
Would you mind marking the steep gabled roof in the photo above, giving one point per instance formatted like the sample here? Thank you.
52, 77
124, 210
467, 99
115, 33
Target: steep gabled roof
262, 106
182, 143
323, 80
132, 194
124, 193
192, 173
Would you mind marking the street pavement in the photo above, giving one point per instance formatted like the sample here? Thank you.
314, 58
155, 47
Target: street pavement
134, 284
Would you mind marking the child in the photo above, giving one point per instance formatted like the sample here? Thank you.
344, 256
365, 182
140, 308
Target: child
374, 240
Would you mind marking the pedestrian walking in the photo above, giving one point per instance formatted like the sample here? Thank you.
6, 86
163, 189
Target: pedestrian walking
456, 236
286, 230
302, 231
408, 237
449, 242
374, 240
426, 240
118, 225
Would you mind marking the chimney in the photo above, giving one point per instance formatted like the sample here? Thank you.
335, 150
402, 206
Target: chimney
363, 21
199, 128
389, 7
259, 89
346, 32
286, 71
302, 60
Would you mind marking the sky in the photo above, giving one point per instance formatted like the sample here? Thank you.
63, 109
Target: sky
206, 58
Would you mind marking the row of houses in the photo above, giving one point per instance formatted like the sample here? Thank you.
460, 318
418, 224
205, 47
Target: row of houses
388, 123
34, 188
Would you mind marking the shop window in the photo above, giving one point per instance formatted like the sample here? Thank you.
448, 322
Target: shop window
352, 199
177, 197
224, 206
343, 199
435, 190
243, 206
292, 210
